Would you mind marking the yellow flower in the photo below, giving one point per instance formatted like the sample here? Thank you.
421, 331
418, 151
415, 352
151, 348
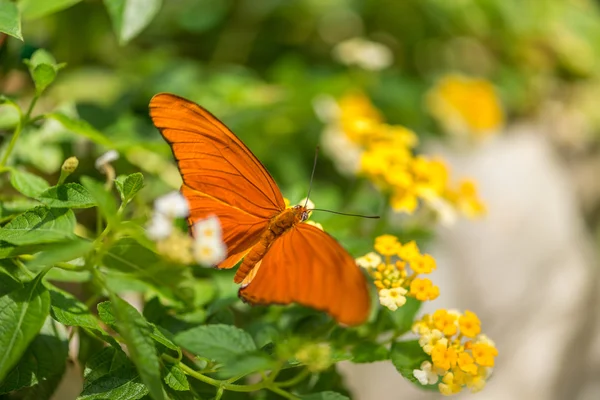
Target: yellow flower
423, 289
484, 354
466, 106
449, 386
316, 356
469, 324
426, 375
466, 363
430, 339
387, 245
431, 175
443, 357
466, 199
445, 322
392, 298
424, 264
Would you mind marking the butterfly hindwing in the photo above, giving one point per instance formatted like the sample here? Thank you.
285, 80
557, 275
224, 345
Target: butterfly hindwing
307, 266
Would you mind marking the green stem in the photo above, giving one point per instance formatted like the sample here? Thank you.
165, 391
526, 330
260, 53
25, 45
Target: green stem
23, 121
283, 393
295, 380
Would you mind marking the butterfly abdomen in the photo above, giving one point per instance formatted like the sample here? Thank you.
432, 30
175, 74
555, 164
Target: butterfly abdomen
279, 224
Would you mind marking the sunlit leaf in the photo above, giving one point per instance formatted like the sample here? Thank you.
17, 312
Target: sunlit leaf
22, 314
10, 20
130, 17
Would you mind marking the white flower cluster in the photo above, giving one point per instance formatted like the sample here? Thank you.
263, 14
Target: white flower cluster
207, 246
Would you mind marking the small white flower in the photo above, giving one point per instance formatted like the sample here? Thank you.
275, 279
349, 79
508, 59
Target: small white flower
392, 298
208, 228
309, 204
106, 158
370, 260
209, 252
160, 227
326, 108
363, 53
172, 205
425, 375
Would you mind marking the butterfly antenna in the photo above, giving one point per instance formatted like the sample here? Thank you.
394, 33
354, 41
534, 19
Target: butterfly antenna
347, 214
312, 175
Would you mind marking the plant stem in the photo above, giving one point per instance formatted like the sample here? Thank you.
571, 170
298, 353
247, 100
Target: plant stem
22, 123
297, 379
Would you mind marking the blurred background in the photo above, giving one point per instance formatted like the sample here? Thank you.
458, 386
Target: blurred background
504, 91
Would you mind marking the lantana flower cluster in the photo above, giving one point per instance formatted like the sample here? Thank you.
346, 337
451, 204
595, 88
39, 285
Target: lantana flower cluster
460, 356
385, 154
398, 270
205, 248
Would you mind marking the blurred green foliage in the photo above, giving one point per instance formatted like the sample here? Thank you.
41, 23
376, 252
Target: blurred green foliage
257, 65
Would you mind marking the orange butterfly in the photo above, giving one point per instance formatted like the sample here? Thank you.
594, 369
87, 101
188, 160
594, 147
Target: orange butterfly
284, 260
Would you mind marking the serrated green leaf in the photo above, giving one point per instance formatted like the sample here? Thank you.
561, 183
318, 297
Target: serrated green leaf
69, 311
367, 352
60, 252
39, 225
175, 377
406, 357
27, 183
136, 333
10, 19
43, 362
105, 313
103, 198
324, 396
219, 343
130, 17
22, 314
81, 127
69, 195
8, 283
32, 9
129, 185
161, 338
110, 375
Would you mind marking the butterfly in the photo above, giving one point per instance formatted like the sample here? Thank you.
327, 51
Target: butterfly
283, 260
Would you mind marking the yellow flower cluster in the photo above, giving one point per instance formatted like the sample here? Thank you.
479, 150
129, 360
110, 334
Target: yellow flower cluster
460, 354
466, 106
389, 161
396, 270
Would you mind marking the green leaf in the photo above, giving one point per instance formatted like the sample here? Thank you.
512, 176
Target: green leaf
43, 69
32, 9
104, 198
69, 195
176, 378
136, 332
219, 343
366, 352
27, 183
106, 314
43, 75
408, 356
130, 17
39, 225
129, 185
110, 375
8, 283
403, 317
81, 127
43, 363
10, 20
22, 314
69, 311
60, 252
244, 364
324, 396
